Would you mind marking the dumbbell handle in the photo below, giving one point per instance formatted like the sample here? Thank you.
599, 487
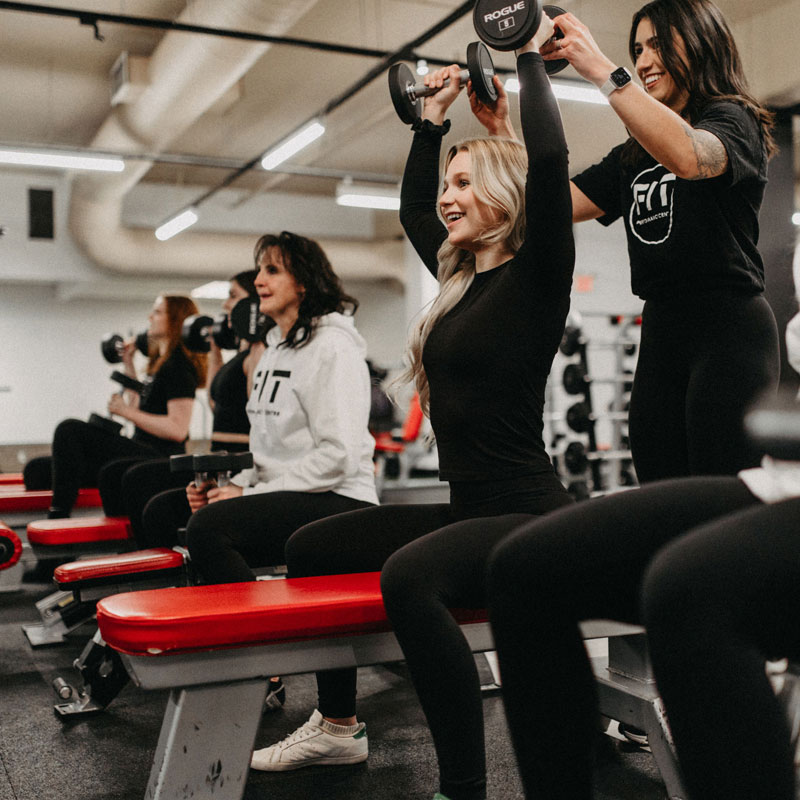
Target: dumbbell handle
421, 90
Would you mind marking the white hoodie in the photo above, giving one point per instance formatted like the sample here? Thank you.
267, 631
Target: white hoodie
308, 412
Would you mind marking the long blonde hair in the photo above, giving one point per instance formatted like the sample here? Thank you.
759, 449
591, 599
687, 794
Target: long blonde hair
497, 175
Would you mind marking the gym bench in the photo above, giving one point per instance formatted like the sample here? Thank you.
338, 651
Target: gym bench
18, 507
65, 539
216, 646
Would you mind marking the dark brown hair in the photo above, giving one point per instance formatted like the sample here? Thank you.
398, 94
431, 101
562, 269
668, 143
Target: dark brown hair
712, 69
306, 261
178, 308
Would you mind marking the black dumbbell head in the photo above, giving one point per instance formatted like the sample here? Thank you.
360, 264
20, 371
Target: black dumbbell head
401, 78
111, 348
248, 322
223, 334
183, 462
481, 72
143, 343
127, 382
506, 24
579, 417
222, 461
195, 333
574, 379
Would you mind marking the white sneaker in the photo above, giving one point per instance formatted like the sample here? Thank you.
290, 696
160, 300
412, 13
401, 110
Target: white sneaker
315, 743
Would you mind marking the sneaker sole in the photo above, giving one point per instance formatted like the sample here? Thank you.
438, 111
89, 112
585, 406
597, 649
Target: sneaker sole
325, 761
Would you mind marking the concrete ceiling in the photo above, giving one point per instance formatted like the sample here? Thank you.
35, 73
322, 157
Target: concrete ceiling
56, 89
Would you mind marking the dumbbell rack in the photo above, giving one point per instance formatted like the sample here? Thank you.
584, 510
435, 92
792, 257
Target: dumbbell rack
606, 470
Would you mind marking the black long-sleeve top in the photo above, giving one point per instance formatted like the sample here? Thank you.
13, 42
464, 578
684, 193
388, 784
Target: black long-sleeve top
487, 360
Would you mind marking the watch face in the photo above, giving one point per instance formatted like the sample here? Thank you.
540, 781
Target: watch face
620, 76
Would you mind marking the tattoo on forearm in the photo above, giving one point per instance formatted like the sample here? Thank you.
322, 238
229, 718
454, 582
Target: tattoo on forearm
712, 159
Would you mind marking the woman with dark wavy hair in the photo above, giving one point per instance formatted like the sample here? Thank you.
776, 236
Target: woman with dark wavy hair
308, 409
161, 414
689, 184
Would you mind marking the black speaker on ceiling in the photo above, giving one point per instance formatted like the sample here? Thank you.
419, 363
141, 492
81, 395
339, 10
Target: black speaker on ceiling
40, 214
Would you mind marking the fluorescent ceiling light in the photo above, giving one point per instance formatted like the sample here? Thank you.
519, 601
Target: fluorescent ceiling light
564, 90
177, 224
358, 195
43, 158
213, 290
301, 139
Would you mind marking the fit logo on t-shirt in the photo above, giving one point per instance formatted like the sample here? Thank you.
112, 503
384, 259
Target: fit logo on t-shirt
651, 210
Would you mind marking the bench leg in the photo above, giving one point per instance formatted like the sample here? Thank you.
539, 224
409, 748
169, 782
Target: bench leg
206, 741
61, 613
627, 693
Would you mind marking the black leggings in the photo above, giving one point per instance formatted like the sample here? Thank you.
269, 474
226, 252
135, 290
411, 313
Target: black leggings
80, 450
588, 562
702, 362
433, 558
228, 538
716, 604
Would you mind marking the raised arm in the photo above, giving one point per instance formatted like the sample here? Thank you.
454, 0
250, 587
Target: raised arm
420, 188
549, 242
687, 152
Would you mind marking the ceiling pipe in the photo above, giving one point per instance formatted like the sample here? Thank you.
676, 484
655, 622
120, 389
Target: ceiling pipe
186, 76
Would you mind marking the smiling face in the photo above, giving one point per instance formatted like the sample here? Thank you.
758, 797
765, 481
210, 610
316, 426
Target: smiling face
657, 82
279, 292
466, 217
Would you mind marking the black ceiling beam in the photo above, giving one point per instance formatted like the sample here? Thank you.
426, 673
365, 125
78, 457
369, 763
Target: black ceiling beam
94, 18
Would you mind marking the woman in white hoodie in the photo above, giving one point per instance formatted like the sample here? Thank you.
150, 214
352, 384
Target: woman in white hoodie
308, 409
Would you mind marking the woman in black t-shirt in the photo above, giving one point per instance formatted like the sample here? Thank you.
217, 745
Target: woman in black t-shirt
153, 481
688, 184
161, 415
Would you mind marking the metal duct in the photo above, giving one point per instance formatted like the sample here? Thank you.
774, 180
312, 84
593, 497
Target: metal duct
187, 74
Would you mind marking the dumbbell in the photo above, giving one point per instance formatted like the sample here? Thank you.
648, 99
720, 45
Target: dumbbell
507, 25
212, 468
581, 419
573, 340
112, 344
125, 382
199, 329
576, 381
248, 322
576, 459
407, 95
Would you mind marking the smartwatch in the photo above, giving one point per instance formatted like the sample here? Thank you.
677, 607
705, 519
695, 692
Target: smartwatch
616, 80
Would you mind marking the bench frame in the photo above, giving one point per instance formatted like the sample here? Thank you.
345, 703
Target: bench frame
217, 696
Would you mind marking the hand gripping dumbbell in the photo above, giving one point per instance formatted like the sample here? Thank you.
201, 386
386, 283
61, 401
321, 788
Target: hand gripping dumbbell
507, 25
211, 469
407, 94
112, 345
125, 382
199, 329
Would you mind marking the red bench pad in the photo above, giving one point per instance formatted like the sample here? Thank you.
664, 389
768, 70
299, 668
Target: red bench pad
221, 616
10, 478
10, 547
19, 500
100, 567
81, 530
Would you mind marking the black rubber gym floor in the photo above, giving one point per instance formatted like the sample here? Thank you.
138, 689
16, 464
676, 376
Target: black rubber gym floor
107, 757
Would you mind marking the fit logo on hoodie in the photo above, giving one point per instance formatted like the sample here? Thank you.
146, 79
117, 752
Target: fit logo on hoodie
262, 379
